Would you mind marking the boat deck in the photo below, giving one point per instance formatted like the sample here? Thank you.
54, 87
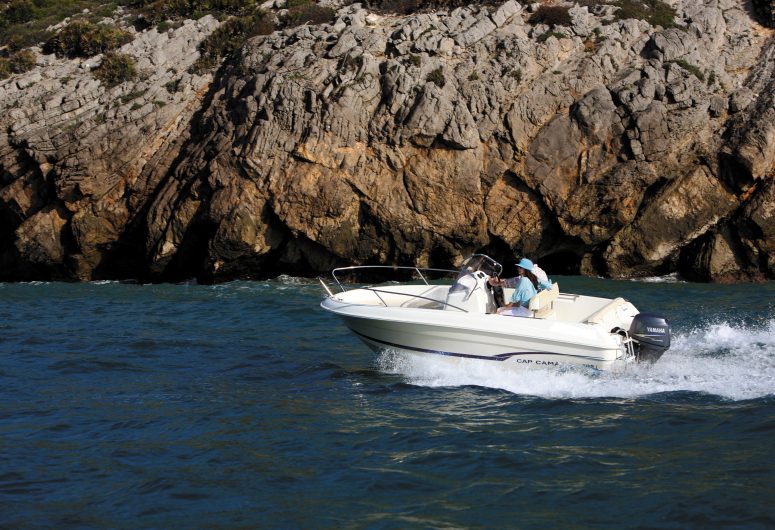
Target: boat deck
567, 307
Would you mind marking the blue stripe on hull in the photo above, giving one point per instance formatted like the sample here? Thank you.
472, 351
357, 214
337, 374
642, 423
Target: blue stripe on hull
498, 357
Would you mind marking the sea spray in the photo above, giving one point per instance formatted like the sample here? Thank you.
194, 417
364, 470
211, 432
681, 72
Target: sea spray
732, 362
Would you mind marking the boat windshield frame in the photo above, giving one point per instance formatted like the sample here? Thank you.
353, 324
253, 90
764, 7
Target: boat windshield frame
480, 262
474, 263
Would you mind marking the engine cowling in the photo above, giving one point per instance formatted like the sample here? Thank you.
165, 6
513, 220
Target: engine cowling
651, 336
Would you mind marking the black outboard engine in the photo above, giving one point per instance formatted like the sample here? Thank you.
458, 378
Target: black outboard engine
651, 336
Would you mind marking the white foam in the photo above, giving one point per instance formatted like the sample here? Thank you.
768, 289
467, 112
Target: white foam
285, 279
733, 362
668, 278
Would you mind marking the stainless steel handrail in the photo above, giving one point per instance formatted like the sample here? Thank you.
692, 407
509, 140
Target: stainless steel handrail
408, 295
417, 270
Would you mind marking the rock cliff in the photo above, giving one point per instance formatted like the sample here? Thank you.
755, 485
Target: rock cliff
608, 147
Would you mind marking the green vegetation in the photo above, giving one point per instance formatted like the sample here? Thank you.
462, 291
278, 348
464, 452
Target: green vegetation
19, 11
81, 38
172, 86
156, 11
23, 23
404, 7
116, 68
414, 60
230, 37
543, 37
16, 63
126, 98
655, 12
688, 67
401, 7
22, 61
437, 77
306, 12
551, 16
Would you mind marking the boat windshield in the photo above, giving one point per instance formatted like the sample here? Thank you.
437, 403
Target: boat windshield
480, 262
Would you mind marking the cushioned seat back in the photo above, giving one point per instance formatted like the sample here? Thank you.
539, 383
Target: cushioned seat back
542, 304
599, 316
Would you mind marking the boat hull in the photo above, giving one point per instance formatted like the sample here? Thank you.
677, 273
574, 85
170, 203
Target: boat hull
510, 341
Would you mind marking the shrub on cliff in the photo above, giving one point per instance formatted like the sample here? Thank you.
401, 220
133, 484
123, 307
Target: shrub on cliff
81, 38
405, 7
17, 63
543, 37
19, 11
691, 68
655, 12
25, 23
229, 38
402, 7
306, 11
437, 77
116, 68
551, 16
157, 11
22, 61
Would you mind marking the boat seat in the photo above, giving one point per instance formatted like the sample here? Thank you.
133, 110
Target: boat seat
542, 304
598, 317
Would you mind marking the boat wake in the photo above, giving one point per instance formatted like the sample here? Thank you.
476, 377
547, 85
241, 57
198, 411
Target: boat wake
734, 362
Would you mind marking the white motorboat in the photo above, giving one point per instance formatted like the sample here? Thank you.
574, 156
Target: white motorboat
458, 320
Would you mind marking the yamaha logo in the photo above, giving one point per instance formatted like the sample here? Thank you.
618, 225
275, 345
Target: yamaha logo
654, 330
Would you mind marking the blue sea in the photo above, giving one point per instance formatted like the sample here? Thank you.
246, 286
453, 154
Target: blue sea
245, 405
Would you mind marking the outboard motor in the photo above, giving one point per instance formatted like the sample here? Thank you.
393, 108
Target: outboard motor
651, 336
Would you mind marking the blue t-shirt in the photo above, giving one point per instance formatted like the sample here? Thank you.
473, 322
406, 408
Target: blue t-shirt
524, 292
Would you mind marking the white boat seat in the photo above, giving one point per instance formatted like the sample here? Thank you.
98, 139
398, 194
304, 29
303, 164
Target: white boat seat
599, 316
542, 304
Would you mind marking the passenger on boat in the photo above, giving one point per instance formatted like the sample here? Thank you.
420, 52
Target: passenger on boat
543, 280
525, 287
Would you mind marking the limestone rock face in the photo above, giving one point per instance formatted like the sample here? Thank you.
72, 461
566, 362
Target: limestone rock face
79, 162
617, 149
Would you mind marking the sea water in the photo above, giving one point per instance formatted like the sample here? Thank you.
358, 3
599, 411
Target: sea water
246, 405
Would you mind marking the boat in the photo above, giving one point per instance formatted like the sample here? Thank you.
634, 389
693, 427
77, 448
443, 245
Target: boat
452, 315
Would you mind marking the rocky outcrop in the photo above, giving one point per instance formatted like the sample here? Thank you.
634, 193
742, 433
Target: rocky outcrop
618, 149
80, 161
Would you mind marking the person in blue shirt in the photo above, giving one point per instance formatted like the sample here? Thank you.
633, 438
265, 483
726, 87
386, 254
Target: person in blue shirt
525, 287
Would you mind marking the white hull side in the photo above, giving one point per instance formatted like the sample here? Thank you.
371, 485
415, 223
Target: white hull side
490, 338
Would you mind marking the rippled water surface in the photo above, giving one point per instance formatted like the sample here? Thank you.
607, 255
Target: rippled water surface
245, 405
